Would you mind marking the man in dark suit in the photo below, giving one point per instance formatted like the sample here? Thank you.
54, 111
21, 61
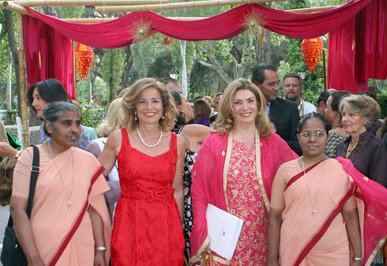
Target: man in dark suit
283, 113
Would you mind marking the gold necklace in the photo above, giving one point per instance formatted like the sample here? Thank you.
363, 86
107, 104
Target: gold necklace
68, 192
312, 200
351, 147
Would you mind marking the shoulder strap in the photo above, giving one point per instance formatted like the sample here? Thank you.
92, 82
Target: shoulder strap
34, 177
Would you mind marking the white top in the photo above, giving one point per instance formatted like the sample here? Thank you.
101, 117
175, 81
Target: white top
305, 108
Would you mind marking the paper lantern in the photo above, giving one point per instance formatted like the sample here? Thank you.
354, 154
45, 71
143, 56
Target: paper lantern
312, 50
84, 58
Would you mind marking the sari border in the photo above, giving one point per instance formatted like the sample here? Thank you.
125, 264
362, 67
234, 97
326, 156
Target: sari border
323, 228
259, 172
300, 174
225, 168
257, 167
375, 251
199, 254
77, 222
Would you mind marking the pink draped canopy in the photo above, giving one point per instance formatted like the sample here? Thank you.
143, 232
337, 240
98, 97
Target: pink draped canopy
357, 44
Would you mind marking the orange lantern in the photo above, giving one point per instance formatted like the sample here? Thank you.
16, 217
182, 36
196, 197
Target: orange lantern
312, 50
84, 58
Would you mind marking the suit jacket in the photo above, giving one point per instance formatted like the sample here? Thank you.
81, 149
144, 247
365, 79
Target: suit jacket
285, 117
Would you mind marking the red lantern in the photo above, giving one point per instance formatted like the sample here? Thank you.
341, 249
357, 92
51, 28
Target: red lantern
84, 58
312, 50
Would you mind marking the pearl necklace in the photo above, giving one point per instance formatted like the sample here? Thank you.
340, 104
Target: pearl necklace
68, 192
146, 144
312, 201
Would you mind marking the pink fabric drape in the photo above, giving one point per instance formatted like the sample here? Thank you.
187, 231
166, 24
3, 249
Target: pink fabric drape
121, 31
48, 54
358, 49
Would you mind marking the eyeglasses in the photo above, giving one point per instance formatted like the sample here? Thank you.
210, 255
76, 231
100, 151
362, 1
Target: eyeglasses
317, 134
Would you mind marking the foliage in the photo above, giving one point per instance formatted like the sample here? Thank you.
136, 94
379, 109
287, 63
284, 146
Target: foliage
382, 99
112, 67
92, 116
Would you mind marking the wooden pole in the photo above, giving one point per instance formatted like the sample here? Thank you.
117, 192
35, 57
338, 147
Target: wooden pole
13, 7
324, 70
175, 6
22, 89
33, 3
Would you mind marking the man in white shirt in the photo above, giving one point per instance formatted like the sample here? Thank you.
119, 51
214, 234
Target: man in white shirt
292, 85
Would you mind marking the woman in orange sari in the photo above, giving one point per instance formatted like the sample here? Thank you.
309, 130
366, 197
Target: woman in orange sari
62, 198
315, 204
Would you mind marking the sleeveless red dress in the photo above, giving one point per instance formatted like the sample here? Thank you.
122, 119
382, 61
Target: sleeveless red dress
147, 228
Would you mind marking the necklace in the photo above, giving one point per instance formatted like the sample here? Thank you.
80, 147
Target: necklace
68, 192
146, 144
312, 200
351, 147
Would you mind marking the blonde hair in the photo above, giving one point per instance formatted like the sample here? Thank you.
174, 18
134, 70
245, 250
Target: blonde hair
225, 121
362, 105
113, 118
132, 96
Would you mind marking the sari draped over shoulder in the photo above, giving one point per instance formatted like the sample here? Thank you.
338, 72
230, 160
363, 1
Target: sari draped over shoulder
59, 199
315, 227
209, 181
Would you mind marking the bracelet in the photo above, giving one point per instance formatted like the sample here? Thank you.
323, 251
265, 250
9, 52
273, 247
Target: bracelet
357, 258
101, 248
17, 154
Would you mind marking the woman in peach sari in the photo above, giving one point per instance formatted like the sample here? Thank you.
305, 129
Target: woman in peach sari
315, 204
61, 198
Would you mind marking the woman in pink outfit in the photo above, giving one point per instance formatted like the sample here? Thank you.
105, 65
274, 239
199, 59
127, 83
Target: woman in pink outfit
234, 171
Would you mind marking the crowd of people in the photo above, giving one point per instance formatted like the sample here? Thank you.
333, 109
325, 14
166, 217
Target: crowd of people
314, 177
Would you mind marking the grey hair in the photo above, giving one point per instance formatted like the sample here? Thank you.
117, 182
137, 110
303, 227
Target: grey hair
362, 105
55, 110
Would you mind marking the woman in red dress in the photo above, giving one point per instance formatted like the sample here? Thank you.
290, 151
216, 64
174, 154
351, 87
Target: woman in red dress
147, 227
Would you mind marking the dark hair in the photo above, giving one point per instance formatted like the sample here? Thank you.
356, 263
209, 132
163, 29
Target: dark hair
310, 116
179, 120
294, 75
50, 90
323, 97
176, 97
54, 111
166, 80
259, 72
337, 96
201, 108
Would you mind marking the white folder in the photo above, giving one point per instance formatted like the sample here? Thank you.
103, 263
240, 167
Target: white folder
224, 230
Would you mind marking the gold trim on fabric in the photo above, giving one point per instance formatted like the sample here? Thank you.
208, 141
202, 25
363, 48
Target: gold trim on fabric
259, 172
375, 251
257, 167
201, 251
225, 169
221, 260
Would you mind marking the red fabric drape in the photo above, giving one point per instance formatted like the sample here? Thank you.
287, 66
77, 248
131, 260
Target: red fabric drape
121, 31
48, 54
358, 49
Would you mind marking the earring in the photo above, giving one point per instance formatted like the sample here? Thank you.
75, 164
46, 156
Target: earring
162, 117
135, 115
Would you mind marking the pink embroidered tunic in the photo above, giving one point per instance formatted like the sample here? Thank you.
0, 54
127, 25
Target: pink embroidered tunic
245, 201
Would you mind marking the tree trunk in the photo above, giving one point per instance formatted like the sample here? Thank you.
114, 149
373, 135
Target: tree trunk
184, 81
15, 53
127, 68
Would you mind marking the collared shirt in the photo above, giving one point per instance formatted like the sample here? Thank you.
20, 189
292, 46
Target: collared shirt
305, 108
268, 104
